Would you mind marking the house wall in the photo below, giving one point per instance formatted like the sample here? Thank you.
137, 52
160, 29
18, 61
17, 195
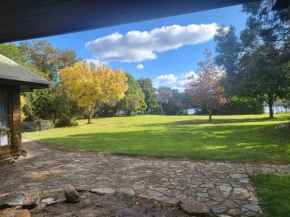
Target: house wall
15, 148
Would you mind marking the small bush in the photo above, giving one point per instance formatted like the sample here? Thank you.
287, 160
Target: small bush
66, 122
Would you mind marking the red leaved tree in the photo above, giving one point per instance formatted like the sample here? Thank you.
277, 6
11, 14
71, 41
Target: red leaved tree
205, 89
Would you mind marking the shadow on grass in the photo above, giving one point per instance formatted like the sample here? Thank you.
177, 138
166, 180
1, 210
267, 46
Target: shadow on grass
218, 120
213, 142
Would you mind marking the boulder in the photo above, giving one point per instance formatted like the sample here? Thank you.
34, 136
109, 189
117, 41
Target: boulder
31, 202
15, 213
195, 208
13, 199
102, 191
125, 192
38, 209
71, 195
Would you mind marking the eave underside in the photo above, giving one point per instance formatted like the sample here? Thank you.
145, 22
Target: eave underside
27, 19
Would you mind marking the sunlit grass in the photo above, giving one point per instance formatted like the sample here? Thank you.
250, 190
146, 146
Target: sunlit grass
239, 137
274, 192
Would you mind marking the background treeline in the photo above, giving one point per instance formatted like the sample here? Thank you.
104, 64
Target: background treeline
255, 66
140, 98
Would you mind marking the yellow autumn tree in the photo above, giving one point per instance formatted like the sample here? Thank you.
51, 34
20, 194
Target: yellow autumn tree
90, 85
22, 104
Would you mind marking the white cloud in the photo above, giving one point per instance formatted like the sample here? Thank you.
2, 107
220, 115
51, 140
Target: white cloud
192, 74
180, 85
136, 46
164, 80
140, 66
174, 81
183, 80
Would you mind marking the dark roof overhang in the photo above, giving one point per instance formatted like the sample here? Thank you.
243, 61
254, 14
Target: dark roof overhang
280, 4
27, 19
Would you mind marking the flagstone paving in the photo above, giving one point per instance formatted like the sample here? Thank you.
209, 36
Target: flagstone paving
222, 186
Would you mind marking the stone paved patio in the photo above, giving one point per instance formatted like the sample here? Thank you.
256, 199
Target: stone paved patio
223, 186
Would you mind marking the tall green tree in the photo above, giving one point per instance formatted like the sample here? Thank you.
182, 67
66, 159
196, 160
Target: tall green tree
47, 59
259, 65
50, 103
263, 76
266, 42
228, 50
12, 51
134, 99
151, 98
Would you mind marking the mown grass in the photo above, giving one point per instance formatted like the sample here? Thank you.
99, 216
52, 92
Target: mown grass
274, 193
239, 137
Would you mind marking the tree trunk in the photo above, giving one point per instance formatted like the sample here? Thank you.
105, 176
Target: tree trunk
209, 109
179, 110
271, 110
89, 119
161, 110
210, 119
92, 112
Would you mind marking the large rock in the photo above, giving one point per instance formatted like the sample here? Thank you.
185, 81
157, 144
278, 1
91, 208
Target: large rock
102, 191
38, 209
31, 202
15, 213
194, 208
13, 199
125, 192
71, 195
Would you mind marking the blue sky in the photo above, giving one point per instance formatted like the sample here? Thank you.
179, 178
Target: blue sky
170, 64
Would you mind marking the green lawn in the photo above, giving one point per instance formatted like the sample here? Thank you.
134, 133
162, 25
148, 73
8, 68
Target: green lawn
274, 193
239, 137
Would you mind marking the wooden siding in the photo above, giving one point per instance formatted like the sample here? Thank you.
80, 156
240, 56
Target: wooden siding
15, 148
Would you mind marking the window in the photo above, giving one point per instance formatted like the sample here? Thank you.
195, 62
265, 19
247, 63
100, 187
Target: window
5, 117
